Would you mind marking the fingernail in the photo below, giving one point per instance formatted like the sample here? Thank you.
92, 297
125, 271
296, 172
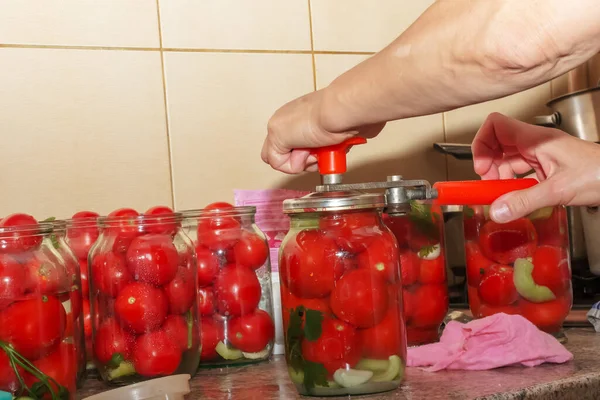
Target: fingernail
500, 213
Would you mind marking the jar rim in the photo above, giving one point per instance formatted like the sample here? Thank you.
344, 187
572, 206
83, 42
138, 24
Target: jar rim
141, 219
41, 228
334, 201
80, 223
222, 212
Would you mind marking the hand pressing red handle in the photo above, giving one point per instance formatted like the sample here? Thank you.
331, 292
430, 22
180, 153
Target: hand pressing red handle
463, 193
332, 159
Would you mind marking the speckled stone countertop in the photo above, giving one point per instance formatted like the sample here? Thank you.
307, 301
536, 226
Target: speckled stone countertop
576, 380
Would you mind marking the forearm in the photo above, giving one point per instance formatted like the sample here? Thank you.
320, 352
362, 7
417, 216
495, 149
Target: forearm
462, 52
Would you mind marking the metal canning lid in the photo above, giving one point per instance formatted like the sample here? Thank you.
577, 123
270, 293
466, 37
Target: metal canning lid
333, 201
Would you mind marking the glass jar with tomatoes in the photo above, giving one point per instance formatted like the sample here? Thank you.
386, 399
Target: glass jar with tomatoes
82, 233
143, 298
521, 267
39, 333
341, 295
234, 285
420, 238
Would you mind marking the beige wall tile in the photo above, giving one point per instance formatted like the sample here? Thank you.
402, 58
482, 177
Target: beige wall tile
236, 24
82, 129
362, 25
219, 105
131, 23
463, 124
403, 148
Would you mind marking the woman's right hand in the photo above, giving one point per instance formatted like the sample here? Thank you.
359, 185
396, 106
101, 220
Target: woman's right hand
568, 168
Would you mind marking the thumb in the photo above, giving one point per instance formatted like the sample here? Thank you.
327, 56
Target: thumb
518, 204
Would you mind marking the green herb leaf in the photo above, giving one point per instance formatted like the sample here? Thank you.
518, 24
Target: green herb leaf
115, 360
426, 250
422, 218
312, 325
468, 212
314, 374
49, 219
190, 326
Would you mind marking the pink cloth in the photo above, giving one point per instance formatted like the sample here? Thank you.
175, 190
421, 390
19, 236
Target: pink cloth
496, 341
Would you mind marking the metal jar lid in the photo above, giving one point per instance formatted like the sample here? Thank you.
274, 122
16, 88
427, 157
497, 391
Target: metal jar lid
333, 201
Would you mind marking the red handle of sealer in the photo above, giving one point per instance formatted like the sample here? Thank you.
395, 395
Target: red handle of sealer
463, 193
332, 159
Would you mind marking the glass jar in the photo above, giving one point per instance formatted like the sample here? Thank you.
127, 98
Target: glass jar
521, 267
341, 295
74, 308
38, 335
234, 285
423, 266
82, 233
143, 299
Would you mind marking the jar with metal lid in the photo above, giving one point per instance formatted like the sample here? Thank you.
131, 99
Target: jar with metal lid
341, 295
234, 285
143, 298
521, 267
39, 337
419, 233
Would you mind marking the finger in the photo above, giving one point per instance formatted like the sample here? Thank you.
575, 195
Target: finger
297, 160
523, 202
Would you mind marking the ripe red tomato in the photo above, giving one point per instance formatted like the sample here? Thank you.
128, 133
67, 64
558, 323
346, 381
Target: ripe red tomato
206, 301
153, 259
384, 339
251, 251
476, 262
111, 339
401, 227
141, 307
156, 354
474, 301
430, 306
310, 264
219, 232
548, 316
211, 333
408, 304
60, 365
125, 228
381, 257
360, 298
497, 287
419, 336
208, 266
33, 326
252, 332
176, 328
433, 271
353, 232
167, 225
12, 281
181, 291
337, 347
87, 318
110, 273
83, 233
486, 310
553, 231
83, 272
289, 302
219, 205
551, 269
13, 241
237, 291
409, 267
44, 276
504, 243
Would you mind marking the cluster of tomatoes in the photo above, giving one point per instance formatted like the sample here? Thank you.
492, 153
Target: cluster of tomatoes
347, 271
497, 282
229, 291
39, 307
143, 289
423, 267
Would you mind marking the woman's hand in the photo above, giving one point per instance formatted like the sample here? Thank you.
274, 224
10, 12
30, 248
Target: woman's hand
568, 168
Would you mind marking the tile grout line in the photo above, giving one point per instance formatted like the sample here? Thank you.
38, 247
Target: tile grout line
445, 141
164, 84
183, 50
312, 46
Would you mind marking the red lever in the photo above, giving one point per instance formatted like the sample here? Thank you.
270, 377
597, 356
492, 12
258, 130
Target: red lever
463, 193
332, 159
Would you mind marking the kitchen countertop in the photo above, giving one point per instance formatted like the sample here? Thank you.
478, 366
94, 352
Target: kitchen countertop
576, 380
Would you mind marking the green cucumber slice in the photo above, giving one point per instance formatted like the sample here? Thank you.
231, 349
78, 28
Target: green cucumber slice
395, 369
525, 284
124, 369
228, 353
258, 355
351, 377
373, 365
